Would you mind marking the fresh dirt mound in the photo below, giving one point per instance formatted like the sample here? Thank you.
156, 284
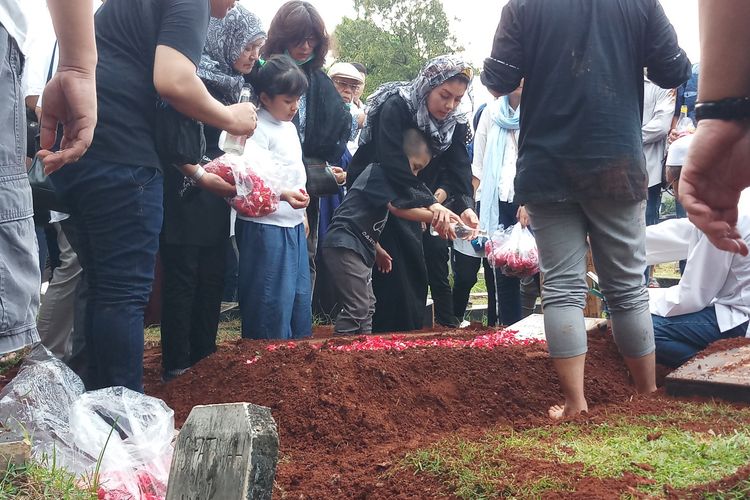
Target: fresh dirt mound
345, 419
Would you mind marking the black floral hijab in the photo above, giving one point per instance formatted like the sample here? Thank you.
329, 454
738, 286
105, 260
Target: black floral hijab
226, 40
415, 93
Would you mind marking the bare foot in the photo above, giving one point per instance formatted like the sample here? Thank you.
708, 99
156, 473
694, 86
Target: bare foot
558, 412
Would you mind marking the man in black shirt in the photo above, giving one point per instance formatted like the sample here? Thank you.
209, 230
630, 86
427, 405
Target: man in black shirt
145, 48
581, 170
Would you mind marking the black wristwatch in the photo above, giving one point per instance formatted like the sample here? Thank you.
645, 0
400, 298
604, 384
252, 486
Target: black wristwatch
733, 108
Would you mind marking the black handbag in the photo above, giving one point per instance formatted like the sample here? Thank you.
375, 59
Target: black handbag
42, 189
179, 139
320, 178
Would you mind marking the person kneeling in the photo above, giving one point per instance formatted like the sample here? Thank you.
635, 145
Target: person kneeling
350, 248
712, 300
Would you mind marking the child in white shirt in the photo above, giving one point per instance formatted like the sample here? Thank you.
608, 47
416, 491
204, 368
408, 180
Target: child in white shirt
274, 274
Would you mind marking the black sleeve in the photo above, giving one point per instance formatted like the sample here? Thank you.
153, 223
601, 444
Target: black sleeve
667, 64
455, 176
503, 70
393, 120
184, 25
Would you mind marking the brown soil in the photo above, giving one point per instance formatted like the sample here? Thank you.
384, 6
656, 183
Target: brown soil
723, 345
346, 419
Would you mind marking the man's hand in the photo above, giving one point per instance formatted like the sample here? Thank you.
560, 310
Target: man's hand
70, 99
383, 260
523, 217
340, 175
470, 219
297, 199
716, 171
673, 136
307, 226
216, 185
441, 195
244, 119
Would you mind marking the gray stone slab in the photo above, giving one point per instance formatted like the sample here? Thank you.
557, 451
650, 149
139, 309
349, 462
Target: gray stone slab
225, 452
724, 375
532, 326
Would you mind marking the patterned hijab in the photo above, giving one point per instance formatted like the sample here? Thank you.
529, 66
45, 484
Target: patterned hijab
226, 40
415, 93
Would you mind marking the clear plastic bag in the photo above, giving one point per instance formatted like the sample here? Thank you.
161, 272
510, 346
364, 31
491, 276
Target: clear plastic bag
514, 252
36, 403
69, 428
258, 177
136, 432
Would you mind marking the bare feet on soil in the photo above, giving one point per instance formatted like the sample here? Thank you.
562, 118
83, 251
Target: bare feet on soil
557, 412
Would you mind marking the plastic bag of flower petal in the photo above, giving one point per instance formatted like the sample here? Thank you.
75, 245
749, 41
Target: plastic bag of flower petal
518, 255
493, 247
258, 177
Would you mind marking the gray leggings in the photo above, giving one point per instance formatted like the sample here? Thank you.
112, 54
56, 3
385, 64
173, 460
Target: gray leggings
616, 231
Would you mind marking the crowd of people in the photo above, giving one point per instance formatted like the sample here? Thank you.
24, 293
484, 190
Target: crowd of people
582, 137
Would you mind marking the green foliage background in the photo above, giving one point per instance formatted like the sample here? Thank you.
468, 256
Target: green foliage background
394, 38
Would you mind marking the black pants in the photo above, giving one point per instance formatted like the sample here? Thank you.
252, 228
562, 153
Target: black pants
465, 269
193, 282
436, 256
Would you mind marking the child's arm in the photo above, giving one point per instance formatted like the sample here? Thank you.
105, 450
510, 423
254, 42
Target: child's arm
383, 259
414, 214
426, 215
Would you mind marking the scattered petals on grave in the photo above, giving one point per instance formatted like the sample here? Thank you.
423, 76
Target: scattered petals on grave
500, 338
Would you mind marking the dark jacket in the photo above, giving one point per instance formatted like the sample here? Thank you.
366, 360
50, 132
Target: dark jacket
582, 101
451, 170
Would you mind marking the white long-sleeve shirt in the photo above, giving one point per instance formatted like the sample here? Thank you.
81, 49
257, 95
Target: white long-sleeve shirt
711, 277
506, 190
658, 109
280, 139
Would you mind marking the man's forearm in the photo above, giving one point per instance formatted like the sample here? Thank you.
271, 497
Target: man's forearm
725, 38
74, 27
176, 82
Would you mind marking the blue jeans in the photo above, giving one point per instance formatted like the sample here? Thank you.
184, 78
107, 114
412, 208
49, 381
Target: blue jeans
679, 338
19, 261
274, 281
117, 211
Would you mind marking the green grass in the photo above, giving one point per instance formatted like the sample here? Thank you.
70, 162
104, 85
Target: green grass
12, 359
670, 270
37, 481
228, 331
477, 470
740, 491
678, 457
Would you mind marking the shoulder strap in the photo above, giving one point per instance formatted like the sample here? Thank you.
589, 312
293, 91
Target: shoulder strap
52, 63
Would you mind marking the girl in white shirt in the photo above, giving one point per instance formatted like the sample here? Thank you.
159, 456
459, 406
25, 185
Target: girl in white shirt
274, 273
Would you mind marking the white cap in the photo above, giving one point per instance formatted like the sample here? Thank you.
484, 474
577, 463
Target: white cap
345, 70
678, 151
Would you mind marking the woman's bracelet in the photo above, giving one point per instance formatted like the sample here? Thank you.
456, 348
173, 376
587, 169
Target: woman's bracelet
733, 108
198, 173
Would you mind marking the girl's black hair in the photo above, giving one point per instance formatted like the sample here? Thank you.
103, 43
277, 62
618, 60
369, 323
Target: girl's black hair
280, 75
